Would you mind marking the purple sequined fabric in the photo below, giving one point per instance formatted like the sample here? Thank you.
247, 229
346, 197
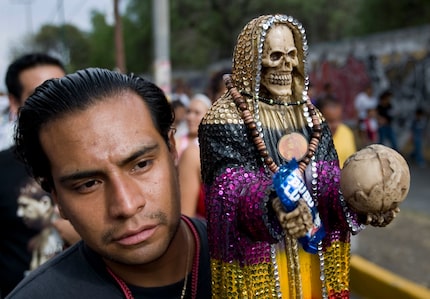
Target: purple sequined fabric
236, 216
329, 206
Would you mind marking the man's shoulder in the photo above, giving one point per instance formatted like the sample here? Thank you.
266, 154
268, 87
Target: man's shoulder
204, 281
6, 153
199, 224
9, 161
60, 277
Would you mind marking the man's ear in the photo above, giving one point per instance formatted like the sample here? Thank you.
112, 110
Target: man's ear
55, 199
172, 143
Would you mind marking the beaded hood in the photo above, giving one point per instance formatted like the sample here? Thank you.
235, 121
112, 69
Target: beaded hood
247, 57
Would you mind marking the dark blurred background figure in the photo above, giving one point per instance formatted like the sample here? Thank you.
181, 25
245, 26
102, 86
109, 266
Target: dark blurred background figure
311, 94
192, 194
181, 91
22, 77
197, 108
327, 91
180, 111
385, 119
418, 128
38, 211
216, 86
343, 136
369, 128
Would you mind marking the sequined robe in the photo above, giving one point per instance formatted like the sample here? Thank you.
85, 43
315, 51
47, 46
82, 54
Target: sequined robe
251, 257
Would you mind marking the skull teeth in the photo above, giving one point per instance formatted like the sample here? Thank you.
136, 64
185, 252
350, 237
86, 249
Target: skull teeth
280, 79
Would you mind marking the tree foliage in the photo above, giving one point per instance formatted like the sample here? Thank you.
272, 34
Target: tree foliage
65, 41
137, 29
204, 32
384, 15
101, 40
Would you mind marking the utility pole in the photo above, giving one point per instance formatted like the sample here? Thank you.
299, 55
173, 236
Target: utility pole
119, 40
64, 49
161, 35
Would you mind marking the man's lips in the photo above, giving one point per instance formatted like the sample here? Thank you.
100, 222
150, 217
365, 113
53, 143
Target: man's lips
135, 237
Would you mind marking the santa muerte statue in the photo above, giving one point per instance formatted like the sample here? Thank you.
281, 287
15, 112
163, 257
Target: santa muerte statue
278, 224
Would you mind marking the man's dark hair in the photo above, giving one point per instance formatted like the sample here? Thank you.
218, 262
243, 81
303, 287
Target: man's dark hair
23, 63
76, 92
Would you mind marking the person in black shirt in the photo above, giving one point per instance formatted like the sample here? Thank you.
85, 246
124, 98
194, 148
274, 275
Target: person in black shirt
385, 118
22, 77
102, 143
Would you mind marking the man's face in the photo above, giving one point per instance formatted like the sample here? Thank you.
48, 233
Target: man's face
115, 179
32, 78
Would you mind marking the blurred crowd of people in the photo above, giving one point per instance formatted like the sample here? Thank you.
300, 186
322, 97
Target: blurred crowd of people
190, 109
374, 124
31, 229
376, 115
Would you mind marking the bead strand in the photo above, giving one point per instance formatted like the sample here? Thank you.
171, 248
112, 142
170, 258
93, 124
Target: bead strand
250, 123
315, 138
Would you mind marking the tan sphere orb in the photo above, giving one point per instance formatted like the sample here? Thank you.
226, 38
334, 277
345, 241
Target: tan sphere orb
375, 179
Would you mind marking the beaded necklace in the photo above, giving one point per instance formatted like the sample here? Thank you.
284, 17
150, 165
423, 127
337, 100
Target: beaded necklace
310, 114
273, 101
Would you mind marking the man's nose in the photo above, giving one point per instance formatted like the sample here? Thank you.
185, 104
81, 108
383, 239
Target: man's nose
126, 198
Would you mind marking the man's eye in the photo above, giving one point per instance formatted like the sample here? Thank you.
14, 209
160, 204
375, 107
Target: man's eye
87, 186
141, 166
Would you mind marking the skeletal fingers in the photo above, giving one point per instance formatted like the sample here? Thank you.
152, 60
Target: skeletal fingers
382, 219
297, 222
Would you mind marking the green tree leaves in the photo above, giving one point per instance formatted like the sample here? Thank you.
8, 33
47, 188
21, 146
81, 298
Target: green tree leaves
205, 32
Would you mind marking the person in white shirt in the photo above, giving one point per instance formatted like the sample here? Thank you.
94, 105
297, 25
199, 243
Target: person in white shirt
364, 101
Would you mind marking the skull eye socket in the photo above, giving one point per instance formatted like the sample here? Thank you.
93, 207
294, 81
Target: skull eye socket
275, 56
292, 53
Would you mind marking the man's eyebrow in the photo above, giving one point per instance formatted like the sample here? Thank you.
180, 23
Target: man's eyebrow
91, 173
140, 152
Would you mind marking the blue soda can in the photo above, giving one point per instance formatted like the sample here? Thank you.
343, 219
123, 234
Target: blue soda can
290, 188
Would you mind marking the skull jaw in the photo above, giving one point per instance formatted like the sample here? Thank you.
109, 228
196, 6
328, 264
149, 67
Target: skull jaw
277, 86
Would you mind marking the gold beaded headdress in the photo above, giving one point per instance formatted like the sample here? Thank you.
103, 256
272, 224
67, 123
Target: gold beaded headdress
248, 53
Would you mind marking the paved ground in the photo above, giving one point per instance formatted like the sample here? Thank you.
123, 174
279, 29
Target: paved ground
403, 247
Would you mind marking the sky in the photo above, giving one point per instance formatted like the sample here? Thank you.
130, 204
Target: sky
18, 18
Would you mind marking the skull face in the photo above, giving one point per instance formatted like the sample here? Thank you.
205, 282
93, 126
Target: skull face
279, 59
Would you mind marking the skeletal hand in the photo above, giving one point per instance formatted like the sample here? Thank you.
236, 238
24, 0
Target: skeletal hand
297, 222
382, 219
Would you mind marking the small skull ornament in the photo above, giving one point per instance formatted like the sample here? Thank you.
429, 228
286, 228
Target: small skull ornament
278, 60
375, 180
